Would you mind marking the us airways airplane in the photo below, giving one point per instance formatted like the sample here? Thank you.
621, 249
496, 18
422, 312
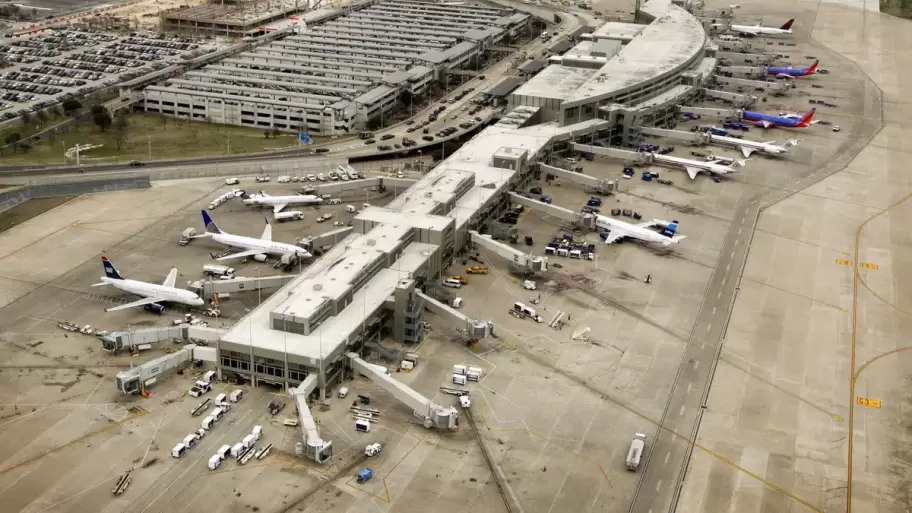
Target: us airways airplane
618, 230
791, 72
760, 30
748, 147
250, 246
717, 166
769, 120
277, 203
153, 295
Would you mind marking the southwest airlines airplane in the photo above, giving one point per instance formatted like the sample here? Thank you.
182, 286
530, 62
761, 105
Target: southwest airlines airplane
769, 121
153, 295
251, 246
791, 72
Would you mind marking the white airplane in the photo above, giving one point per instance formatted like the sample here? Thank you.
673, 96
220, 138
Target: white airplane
279, 202
718, 166
153, 295
618, 230
251, 246
760, 30
748, 147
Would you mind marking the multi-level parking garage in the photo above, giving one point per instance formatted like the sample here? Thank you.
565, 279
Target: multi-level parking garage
342, 71
630, 75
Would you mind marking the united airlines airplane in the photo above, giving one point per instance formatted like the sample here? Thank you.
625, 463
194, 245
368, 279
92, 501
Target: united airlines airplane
153, 295
251, 246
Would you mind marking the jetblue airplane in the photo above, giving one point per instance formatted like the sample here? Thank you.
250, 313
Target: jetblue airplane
153, 295
619, 230
791, 72
251, 246
769, 121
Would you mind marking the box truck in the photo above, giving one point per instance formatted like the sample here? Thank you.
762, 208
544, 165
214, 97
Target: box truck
636, 451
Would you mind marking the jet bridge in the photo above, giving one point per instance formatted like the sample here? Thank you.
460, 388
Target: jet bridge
134, 380
776, 87
313, 447
617, 153
716, 113
591, 183
750, 71
691, 137
123, 340
747, 58
474, 330
737, 99
209, 288
340, 187
526, 263
432, 415
732, 46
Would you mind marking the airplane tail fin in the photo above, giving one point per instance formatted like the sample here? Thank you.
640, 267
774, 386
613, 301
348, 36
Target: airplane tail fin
110, 270
812, 68
739, 163
211, 227
670, 230
787, 25
267, 232
806, 120
243, 194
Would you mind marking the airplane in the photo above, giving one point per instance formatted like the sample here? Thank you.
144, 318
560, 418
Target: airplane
279, 202
153, 295
791, 72
717, 166
769, 121
748, 147
618, 230
251, 246
760, 30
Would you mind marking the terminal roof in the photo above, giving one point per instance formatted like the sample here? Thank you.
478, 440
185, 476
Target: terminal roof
556, 81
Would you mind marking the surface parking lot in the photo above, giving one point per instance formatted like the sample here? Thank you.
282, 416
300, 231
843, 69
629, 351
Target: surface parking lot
42, 70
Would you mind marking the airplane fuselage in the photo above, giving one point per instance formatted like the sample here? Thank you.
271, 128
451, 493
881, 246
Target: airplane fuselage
770, 149
632, 231
769, 120
266, 246
760, 31
283, 200
141, 288
718, 169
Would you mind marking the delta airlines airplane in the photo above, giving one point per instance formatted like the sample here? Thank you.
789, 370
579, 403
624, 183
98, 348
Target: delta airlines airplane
759, 30
769, 120
279, 202
153, 295
618, 230
749, 147
791, 72
717, 166
251, 246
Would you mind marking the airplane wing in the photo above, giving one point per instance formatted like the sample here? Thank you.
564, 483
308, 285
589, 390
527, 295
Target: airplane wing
692, 171
278, 207
615, 235
134, 304
171, 279
242, 254
654, 223
747, 151
766, 124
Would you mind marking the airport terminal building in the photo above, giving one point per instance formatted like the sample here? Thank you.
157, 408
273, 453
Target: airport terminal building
330, 72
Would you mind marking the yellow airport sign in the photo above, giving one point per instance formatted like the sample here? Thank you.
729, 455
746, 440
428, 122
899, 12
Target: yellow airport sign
847, 263
865, 265
871, 403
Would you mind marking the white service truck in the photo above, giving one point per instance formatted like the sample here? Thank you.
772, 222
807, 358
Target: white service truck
636, 451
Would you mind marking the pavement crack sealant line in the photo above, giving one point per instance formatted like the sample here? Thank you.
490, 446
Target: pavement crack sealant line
511, 502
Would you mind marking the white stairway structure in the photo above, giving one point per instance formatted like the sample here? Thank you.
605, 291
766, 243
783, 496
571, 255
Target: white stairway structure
313, 447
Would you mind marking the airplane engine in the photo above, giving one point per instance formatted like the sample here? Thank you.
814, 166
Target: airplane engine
154, 307
259, 258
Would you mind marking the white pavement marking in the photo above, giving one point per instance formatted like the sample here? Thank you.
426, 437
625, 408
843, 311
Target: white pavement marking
708, 327
696, 364
724, 280
740, 230
689, 387
659, 485
719, 295
667, 456
731, 255
714, 311
681, 411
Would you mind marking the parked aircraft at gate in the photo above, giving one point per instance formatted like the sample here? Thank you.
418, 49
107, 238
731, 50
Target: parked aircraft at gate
251, 246
791, 72
153, 295
770, 121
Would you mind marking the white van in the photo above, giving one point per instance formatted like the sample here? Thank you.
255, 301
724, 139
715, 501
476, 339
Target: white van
450, 282
459, 369
223, 451
208, 422
190, 440
237, 449
178, 450
217, 413
236, 396
343, 392
221, 399
459, 379
248, 441
214, 462
257, 432
350, 209
575, 253
362, 425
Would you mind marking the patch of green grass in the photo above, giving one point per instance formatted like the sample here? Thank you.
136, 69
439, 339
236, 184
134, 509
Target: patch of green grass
898, 8
168, 137
29, 209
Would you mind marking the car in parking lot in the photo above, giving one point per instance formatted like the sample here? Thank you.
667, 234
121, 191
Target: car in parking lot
384, 147
387, 137
370, 141
428, 138
321, 150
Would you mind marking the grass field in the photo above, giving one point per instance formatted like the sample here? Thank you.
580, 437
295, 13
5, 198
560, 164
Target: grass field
898, 8
168, 138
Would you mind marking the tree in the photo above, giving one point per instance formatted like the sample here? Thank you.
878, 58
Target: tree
71, 105
13, 138
101, 117
119, 131
26, 117
42, 117
266, 134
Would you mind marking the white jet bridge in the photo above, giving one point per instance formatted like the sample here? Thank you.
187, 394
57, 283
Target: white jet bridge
748, 71
134, 380
526, 263
592, 184
472, 329
313, 447
432, 415
776, 87
737, 99
680, 135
